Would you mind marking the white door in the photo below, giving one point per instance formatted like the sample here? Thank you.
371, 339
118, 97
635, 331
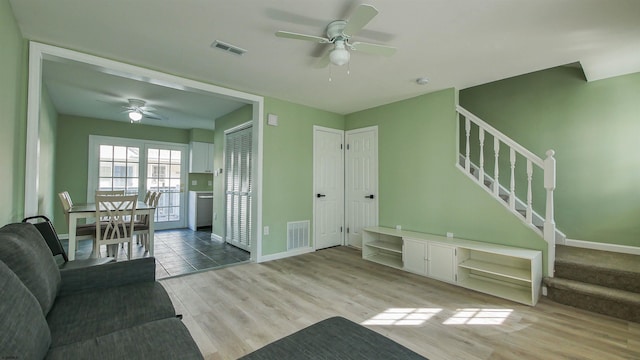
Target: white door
166, 174
328, 179
238, 185
361, 182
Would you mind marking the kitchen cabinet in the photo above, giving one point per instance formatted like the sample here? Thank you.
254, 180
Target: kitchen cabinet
201, 157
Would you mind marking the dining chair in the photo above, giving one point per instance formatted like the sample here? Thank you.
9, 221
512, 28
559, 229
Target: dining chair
116, 214
110, 192
147, 196
142, 226
49, 234
83, 231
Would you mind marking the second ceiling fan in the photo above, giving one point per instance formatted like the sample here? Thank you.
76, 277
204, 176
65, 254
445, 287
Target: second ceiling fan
340, 32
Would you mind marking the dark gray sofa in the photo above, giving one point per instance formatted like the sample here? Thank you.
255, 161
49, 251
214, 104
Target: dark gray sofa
111, 311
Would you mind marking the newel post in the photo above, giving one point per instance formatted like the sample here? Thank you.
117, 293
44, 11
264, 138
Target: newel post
549, 221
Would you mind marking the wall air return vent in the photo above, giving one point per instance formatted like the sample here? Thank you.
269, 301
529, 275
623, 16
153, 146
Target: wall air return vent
298, 234
228, 47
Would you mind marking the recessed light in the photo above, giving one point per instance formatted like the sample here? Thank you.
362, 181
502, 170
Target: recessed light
422, 81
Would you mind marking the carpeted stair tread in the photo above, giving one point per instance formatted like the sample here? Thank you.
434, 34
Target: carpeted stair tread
594, 290
604, 268
621, 304
598, 258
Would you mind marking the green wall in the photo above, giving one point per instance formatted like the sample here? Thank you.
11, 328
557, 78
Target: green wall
419, 186
288, 168
593, 127
72, 158
202, 135
13, 98
202, 182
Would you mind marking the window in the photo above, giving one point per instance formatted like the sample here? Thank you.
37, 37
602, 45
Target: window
119, 168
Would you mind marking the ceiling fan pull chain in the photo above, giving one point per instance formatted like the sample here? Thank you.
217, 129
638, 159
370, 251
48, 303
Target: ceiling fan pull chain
329, 73
349, 68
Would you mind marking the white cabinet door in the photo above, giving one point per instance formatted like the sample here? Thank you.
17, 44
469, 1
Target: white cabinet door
414, 256
201, 159
441, 264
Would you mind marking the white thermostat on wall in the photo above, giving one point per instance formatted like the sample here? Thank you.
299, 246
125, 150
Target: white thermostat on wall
272, 120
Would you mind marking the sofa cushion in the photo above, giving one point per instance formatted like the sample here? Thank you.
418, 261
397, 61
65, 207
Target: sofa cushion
162, 339
86, 315
26, 253
25, 334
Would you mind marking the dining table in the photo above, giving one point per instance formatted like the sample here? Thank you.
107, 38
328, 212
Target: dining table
88, 211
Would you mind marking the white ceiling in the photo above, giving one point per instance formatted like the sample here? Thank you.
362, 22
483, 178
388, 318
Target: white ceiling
454, 43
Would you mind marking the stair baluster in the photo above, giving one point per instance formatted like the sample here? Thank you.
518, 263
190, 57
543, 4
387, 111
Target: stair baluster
467, 129
529, 213
512, 185
496, 175
481, 172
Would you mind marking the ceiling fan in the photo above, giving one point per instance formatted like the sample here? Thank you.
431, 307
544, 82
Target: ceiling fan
137, 109
339, 33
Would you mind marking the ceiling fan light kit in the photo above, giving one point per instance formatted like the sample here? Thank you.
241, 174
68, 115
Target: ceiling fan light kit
135, 116
339, 55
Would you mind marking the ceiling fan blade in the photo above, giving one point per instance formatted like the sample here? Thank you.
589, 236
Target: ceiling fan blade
373, 48
150, 115
323, 61
361, 17
291, 35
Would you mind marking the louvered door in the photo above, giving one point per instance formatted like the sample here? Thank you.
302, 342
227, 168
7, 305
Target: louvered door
238, 164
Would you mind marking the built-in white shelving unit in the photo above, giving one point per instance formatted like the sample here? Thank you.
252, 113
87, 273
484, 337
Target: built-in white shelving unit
507, 272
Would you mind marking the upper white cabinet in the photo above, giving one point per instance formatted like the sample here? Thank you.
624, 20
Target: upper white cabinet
201, 157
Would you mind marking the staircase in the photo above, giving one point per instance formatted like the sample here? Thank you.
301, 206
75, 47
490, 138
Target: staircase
600, 281
471, 161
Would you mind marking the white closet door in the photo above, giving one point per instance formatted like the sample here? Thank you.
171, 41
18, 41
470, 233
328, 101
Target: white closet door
361, 182
238, 163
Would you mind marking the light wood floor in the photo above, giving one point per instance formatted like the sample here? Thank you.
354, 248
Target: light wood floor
233, 311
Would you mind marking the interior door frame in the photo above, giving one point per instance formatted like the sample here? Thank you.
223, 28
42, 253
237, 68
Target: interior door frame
317, 128
38, 53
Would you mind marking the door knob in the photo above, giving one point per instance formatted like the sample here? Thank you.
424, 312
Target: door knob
320, 195
369, 196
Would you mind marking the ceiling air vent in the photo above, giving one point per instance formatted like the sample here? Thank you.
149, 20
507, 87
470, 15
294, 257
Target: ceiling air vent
228, 47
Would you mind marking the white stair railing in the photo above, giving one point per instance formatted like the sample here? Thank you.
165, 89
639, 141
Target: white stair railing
547, 166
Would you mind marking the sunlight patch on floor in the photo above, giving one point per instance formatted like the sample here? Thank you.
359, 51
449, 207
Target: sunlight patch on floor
479, 317
418, 316
403, 316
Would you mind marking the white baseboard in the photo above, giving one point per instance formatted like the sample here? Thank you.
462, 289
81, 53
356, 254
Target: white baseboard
216, 237
603, 246
285, 254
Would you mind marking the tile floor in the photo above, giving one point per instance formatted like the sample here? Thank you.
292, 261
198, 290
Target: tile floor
179, 252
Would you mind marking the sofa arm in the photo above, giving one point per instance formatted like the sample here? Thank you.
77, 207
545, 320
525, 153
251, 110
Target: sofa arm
107, 275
